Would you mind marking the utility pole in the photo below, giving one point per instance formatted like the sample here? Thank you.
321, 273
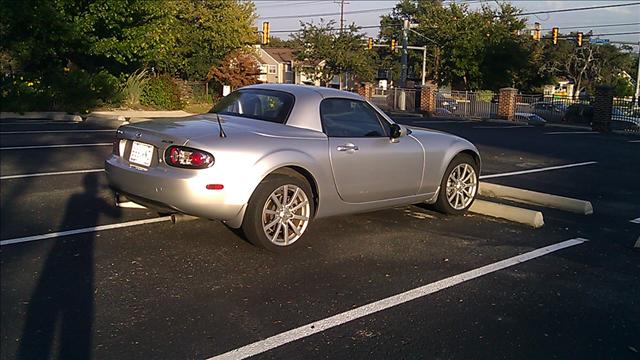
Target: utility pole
405, 43
638, 77
341, 2
424, 65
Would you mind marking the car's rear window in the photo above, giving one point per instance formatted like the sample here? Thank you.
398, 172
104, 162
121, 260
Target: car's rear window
260, 104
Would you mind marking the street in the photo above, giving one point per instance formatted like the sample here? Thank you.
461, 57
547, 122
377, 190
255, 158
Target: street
82, 278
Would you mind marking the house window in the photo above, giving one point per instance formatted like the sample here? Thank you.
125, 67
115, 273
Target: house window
263, 69
287, 67
272, 69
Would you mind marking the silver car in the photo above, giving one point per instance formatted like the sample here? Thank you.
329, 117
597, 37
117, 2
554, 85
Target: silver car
270, 158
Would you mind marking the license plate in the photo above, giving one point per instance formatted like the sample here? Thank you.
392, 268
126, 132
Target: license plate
141, 153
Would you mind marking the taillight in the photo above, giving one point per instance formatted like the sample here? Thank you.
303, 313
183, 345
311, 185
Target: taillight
189, 158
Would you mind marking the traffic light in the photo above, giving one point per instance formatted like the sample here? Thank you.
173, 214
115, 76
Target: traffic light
579, 39
554, 34
394, 45
536, 32
265, 33
370, 43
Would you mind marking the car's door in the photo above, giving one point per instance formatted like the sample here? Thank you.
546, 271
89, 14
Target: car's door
366, 164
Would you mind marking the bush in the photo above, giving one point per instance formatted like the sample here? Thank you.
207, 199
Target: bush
132, 87
75, 91
161, 92
485, 95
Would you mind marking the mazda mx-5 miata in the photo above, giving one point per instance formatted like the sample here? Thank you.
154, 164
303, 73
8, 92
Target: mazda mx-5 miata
269, 159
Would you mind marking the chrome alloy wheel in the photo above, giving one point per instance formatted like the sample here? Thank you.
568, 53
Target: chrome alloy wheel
461, 186
285, 215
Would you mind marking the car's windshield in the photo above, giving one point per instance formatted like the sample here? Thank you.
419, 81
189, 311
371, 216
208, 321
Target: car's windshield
260, 104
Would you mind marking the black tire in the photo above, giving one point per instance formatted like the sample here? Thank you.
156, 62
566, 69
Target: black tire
441, 204
252, 226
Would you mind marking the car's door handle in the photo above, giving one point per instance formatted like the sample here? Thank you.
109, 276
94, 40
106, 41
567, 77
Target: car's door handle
347, 147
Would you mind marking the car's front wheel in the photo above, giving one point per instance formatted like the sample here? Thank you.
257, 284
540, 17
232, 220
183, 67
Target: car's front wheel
278, 212
459, 186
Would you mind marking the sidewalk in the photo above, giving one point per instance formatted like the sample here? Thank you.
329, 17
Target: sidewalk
115, 115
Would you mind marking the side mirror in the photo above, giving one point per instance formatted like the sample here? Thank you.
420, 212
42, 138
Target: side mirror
396, 131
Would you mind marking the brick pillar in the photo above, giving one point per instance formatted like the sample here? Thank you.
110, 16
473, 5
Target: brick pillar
507, 103
368, 90
365, 90
602, 108
428, 99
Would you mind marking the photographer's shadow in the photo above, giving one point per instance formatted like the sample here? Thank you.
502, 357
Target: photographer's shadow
63, 298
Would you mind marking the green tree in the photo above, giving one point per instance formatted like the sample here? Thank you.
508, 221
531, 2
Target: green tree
341, 52
590, 65
55, 44
482, 49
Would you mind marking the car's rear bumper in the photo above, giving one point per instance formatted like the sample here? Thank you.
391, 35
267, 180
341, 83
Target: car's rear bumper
181, 190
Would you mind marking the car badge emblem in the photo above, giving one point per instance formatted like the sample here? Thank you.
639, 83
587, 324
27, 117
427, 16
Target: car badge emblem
138, 135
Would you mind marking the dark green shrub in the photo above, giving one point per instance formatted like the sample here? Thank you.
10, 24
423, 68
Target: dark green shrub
75, 91
161, 92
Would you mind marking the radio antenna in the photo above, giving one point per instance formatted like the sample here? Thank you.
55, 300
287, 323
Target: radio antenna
222, 134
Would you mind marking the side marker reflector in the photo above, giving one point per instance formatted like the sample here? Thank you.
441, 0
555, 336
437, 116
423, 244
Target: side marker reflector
215, 187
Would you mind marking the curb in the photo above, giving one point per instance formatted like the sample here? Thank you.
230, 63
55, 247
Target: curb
96, 116
536, 198
523, 216
41, 115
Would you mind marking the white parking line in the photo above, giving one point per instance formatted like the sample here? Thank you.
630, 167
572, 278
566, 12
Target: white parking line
491, 176
53, 146
53, 131
7, 177
380, 305
442, 121
503, 127
635, 221
634, 141
83, 230
570, 132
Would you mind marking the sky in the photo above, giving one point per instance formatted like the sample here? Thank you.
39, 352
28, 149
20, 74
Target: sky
581, 19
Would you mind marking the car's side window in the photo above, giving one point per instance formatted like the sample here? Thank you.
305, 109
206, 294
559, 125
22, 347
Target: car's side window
350, 118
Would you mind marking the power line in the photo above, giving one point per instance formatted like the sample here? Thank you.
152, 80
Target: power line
579, 9
289, 3
569, 36
619, 33
584, 8
324, 14
360, 27
595, 26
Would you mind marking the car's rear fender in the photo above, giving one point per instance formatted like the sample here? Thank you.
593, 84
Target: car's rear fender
271, 163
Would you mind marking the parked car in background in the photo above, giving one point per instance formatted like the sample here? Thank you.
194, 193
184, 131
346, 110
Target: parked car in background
531, 119
443, 112
546, 106
270, 158
579, 114
446, 102
583, 114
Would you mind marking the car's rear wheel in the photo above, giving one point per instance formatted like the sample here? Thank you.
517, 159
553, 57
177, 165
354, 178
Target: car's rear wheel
459, 186
278, 212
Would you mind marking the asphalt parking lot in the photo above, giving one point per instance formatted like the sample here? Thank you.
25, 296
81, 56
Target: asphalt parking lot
84, 279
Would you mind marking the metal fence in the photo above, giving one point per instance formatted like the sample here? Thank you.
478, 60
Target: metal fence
556, 109
467, 104
625, 115
396, 99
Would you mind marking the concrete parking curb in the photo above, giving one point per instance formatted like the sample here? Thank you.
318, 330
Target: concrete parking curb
523, 216
95, 116
536, 198
41, 115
